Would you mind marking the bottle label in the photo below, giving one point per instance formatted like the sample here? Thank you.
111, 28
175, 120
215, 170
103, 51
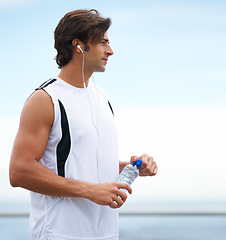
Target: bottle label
127, 177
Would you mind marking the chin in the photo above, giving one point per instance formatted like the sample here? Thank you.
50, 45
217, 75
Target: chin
100, 70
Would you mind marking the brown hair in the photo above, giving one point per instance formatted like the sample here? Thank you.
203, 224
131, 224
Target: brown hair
85, 25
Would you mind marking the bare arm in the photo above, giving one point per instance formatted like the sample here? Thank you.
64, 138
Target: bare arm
29, 146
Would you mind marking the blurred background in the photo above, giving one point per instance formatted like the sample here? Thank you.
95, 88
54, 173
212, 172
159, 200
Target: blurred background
167, 85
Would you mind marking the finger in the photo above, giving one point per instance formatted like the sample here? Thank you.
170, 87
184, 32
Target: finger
133, 158
149, 170
144, 156
145, 160
122, 195
125, 186
113, 205
153, 166
117, 202
150, 162
156, 170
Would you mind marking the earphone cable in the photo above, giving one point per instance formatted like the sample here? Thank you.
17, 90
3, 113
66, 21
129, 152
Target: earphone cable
96, 127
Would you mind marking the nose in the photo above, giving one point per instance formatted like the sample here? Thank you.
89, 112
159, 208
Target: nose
109, 51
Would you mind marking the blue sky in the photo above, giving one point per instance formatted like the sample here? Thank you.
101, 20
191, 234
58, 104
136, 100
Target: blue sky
166, 81
167, 53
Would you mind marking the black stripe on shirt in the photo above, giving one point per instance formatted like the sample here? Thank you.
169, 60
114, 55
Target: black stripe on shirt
64, 146
46, 83
111, 108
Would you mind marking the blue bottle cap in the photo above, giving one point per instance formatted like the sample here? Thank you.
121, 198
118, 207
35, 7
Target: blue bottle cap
137, 163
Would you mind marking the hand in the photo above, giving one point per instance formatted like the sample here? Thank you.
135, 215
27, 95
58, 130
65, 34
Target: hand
109, 194
148, 166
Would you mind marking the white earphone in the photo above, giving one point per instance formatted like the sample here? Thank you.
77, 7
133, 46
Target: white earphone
78, 46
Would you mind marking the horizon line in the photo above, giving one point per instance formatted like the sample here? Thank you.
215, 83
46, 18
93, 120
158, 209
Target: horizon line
138, 213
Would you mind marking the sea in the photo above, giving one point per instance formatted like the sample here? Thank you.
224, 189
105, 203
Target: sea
133, 225
139, 228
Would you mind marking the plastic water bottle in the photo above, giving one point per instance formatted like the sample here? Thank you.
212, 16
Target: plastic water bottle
129, 173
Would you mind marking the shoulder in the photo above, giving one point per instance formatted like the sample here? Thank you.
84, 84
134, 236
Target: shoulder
38, 109
40, 98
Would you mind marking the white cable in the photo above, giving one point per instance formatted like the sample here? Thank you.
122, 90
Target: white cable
98, 103
96, 127
84, 84
83, 63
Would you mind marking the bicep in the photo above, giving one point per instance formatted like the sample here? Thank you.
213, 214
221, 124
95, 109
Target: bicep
35, 125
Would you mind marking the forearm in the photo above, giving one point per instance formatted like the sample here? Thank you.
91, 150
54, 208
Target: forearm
38, 178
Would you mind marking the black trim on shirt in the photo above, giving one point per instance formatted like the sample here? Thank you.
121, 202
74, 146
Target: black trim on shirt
111, 108
46, 83
64, 146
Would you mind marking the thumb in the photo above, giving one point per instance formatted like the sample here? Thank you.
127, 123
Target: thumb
133, 158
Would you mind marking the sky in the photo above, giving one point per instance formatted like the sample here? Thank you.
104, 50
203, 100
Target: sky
166, 81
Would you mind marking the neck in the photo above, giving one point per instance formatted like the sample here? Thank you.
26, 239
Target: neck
72, 74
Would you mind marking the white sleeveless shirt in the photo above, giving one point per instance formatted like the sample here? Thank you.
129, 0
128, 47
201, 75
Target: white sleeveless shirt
82, 145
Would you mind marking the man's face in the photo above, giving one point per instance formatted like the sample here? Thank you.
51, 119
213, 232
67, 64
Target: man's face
97, 56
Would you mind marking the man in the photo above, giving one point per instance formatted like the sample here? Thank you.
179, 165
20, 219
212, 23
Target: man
65, 151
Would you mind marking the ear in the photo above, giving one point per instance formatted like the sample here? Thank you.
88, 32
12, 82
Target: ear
75, 43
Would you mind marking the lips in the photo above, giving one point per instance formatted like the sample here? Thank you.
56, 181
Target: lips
105, 59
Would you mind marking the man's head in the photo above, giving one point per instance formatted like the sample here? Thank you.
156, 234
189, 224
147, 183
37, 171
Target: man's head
84, 25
